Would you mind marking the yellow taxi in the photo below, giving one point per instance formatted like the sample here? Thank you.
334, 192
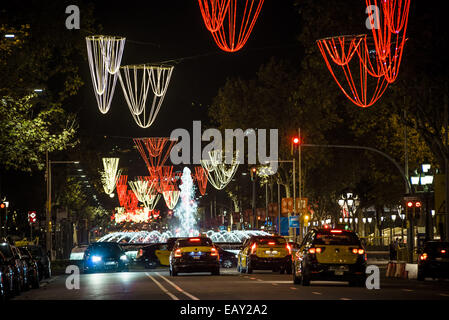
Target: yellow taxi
331, 255
265, 253
194, 254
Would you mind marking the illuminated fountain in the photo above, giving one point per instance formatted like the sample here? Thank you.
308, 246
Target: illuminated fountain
186, 210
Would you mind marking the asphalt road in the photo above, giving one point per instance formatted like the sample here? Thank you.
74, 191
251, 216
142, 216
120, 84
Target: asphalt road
230, 285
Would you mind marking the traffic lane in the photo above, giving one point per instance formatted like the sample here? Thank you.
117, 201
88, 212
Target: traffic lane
271, 286
99, 286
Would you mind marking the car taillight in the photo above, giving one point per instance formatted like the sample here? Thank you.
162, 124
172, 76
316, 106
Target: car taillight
213, 252
423, 256
318, 250
271, 243
195, 240
354, 251
253, 248
312, 250
443, 251
361, 251
140, 253
336, 231
178, 253
289, 248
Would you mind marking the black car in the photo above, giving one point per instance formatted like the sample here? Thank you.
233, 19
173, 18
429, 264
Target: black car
153, 256
434, 260
33, 268
105, 256
227, 258
6, 279
194, 254
18, 266
43, 261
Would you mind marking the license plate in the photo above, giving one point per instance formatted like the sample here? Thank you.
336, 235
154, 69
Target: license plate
196, 257
339, 268
110, 263
271, 253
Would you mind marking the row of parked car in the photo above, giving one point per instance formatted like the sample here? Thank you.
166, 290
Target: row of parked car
21, 268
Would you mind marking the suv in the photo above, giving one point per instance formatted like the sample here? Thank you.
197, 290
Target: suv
103, 256
330, 254
265, 253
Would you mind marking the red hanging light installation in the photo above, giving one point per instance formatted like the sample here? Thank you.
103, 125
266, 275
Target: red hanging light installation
131, 201
390, 36
152, 152
201, 178
228, 37
358, 94
122, 187
213, 12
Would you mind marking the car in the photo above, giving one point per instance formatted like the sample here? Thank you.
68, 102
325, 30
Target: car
331, 255
32, 269
434, 260
194, 254
77, 252
153, 256
105, 256
227, 259
18, 266
6, 279
43, 261
265, 253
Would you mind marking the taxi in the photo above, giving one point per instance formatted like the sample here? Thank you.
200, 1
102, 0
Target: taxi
194, 254
331, 255
265, 253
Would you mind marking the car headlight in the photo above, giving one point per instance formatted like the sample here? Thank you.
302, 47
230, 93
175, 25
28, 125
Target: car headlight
96, 258
124, 257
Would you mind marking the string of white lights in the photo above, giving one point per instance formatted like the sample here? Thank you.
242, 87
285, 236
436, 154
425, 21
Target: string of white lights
136, 81
171, 198
143, 190
112, 50
110, 174
219, 173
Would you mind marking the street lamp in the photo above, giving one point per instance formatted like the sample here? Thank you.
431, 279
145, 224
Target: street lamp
349, 205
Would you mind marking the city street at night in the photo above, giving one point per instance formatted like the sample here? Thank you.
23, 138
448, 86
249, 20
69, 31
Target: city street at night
230, 285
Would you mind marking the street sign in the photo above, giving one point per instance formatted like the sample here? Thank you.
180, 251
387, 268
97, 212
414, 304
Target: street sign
32, 217
293, 222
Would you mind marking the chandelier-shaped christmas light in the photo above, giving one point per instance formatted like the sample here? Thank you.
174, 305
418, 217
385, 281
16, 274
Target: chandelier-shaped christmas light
136, 83
219, 173
390, 36
342, 51
228, 37
144, 189
154, 152
104, 54
169, 188
110, 174
213, 12
122, 190
201, 178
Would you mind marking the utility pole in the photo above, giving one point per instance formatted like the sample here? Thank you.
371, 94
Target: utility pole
300, 183
446, 165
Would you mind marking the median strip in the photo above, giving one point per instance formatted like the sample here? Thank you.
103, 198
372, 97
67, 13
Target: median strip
171, 295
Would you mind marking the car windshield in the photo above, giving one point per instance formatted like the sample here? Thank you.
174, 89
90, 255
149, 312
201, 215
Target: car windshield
270, 241
6, 250
108, 248
343, 239
191, 242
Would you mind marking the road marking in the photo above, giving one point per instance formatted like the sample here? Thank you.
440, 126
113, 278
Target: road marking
259, 280
314, 292
407, 290
345, 299
274, 284
171, 295
293, 288
191, 296
253, 278
444, 295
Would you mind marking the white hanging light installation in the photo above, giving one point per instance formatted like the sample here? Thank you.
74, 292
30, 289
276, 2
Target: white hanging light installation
171, 198
136, 82
104, 54
110, 174
143, 189
219, 173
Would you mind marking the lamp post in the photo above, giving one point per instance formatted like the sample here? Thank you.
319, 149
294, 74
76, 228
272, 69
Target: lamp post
48, 234
349, 204
423, 180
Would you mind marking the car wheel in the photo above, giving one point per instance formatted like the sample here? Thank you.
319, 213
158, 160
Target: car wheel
305, 278
420, 276
249, 268
227, 264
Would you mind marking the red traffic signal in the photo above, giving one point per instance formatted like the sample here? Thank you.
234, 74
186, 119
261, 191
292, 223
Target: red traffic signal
32, 217
2, 205
295, 140
409, 204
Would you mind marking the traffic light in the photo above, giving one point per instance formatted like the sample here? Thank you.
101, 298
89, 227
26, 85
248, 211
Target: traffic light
413, 209
296, 141
2, 205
